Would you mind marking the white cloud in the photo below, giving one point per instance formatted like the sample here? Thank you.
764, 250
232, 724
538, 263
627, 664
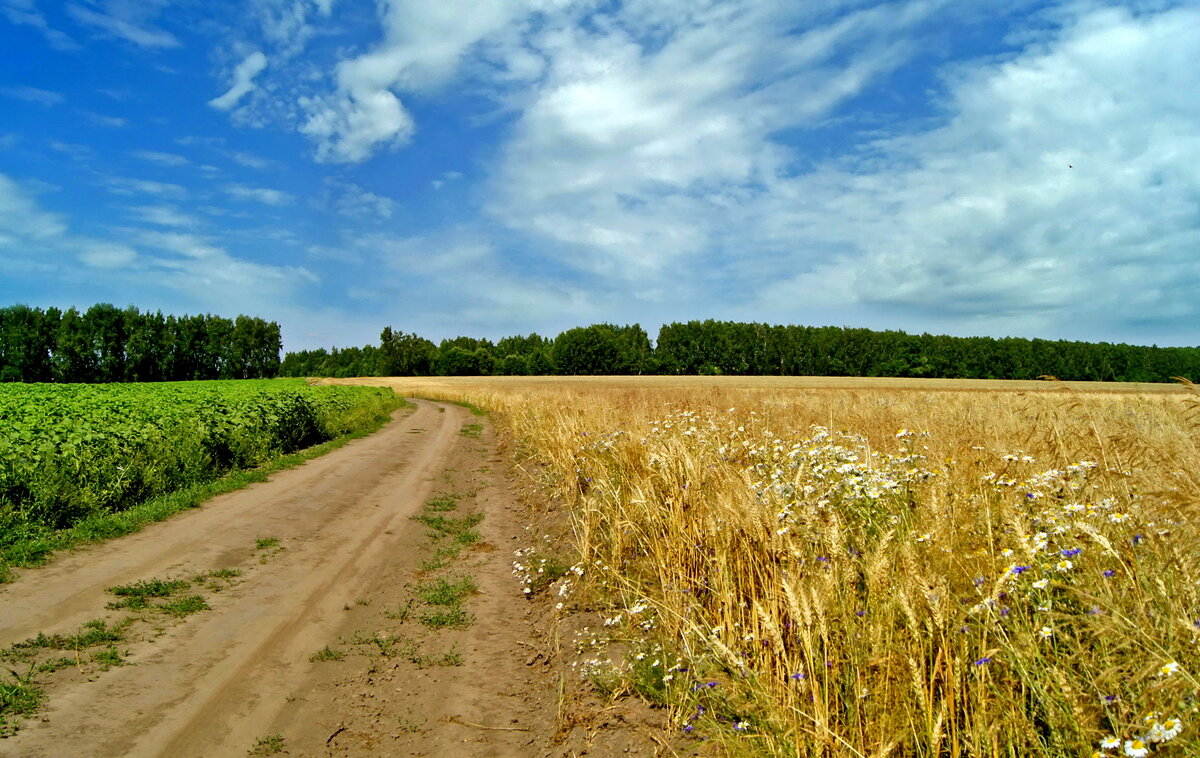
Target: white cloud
21, 219
203, 270
644, 131
33, 95
162, 159
24, 13
243, 81
249, 160
108, 255
286, 25
353, 201
119, 185
1060, 195
446, 178
129, 20
423, 45
109, 122
259, 194
456, 281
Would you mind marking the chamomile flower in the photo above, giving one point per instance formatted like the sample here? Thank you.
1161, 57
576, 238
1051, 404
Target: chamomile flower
1110, 743
1041, 584
1167, 730
1064, 565
1045, 632
1136, 749
1169, 668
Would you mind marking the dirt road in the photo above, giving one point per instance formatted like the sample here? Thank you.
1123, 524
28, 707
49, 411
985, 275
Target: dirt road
316, 647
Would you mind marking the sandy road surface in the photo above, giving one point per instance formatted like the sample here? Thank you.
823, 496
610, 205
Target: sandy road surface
217, 682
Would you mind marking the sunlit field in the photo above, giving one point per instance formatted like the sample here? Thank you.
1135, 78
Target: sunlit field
869, 567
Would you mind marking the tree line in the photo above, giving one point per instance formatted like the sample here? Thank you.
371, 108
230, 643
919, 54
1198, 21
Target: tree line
725, 347
110, 344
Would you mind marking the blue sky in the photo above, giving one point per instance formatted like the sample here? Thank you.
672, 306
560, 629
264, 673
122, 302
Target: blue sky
501, 167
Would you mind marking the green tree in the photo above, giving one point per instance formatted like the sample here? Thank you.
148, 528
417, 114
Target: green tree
405, 354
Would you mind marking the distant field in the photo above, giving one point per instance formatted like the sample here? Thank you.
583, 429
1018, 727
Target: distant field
766, 383
845, 566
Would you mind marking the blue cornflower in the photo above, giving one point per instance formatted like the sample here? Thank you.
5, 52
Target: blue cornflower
1018, 570
1109, 573
1138, 538
687, 728
982, 661
979, 580
796, 676
1072, 552
860, 613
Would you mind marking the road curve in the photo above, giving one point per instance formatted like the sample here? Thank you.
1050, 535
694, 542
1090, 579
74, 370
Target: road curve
209, 685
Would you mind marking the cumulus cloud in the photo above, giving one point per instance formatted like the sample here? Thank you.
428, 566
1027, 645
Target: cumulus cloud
286, 24
243, 81
1061, 192
422, 48
259, 194
129, 20
646, 130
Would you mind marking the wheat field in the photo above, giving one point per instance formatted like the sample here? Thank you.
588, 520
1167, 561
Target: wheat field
863, 567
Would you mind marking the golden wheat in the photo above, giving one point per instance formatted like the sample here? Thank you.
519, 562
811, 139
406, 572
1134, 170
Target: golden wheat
910, 569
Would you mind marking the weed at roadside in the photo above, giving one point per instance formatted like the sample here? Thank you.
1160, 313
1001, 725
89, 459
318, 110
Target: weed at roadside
137, 596
443, 592
449, 618
185, 606
19, 696
268, 548
326, 654
471, 431
269, 745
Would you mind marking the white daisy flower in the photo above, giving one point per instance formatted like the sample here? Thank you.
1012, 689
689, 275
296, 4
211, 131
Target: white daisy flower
1170, 729
1136, 749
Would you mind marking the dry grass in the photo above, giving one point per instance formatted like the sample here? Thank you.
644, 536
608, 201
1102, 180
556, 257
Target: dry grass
874, 568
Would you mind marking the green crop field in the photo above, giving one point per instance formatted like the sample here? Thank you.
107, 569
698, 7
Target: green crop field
74, 452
